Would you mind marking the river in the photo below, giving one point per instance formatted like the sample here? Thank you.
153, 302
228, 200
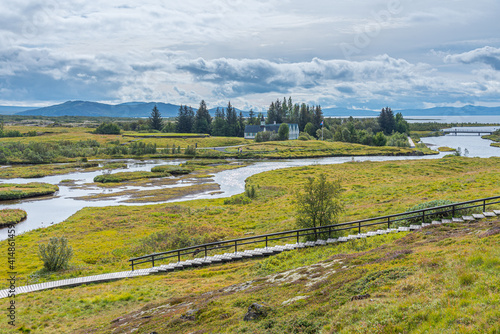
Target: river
43, 212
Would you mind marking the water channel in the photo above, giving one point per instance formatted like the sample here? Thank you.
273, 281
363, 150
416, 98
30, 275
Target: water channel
43, 212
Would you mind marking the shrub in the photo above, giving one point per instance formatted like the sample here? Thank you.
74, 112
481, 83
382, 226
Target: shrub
56, 254
250, 191
108, 129
305, 136
190, 150
237, 199
430, 215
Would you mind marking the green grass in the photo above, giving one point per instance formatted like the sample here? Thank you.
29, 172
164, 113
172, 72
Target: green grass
11, 216
10, 191
438, 280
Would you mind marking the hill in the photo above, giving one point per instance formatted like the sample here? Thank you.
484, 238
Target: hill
96, 109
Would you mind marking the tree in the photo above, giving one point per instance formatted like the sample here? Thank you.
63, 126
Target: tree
402, 125
185, 120
219, 124
232, 121
379, 139
283, 131
202, 119
155, 121
56, 254
386, 120
309, 128
319, 202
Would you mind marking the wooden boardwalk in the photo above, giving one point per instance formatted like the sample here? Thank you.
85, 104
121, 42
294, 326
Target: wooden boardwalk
227, 257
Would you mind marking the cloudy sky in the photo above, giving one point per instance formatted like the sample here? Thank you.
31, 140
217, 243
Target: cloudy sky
342, 53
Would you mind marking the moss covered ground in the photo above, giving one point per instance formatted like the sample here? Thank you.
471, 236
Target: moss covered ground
441, 280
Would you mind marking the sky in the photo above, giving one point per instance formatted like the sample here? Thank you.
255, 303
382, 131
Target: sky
359, 54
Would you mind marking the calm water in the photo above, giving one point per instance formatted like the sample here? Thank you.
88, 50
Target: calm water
55, 209
473, 143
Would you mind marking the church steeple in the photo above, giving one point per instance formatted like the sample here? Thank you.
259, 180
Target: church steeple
262, 121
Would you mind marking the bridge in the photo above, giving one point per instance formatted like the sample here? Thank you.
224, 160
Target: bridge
274, 243
467, 131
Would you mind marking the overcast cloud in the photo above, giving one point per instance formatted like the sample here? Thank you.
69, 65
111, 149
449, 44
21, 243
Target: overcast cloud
359, 54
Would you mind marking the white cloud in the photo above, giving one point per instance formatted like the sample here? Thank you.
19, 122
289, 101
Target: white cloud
251, 52
487, 55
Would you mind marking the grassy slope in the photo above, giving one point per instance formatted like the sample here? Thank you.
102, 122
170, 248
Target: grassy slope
104, 238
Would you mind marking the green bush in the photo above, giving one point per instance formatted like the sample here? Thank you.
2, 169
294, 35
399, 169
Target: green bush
56, 254
237, 199
108, 129
431, 214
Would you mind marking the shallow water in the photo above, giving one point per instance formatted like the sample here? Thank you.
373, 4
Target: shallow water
55, 209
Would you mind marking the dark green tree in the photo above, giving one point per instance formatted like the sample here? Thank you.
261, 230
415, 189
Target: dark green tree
402, 125
241, 125
386, 120
185, 120
202, 119
232, 121
219, 123
155, 121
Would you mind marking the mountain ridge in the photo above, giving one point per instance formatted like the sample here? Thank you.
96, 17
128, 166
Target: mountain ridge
143, 109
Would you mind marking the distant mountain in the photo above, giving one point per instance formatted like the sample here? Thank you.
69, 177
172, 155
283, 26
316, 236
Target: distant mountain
143, 109
95, 109
467, 110
10, 110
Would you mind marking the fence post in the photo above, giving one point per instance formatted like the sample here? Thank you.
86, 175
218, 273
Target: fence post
153, 259
297, 236
235, 246
423, 216
205, 251
329, 232
132, 265
388, 222
484, 205
359, 227
266, 241
178, 256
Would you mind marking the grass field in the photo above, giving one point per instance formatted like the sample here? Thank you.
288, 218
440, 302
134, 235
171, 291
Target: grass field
444, 281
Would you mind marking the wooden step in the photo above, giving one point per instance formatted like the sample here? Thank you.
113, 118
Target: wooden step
478, 216
489, 214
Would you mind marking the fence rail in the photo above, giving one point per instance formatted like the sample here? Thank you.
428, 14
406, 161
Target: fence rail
204, 250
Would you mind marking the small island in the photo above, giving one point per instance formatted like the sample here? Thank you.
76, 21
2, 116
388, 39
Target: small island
9, 191
11, 216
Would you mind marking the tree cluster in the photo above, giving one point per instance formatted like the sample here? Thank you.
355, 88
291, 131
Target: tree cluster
301, 114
